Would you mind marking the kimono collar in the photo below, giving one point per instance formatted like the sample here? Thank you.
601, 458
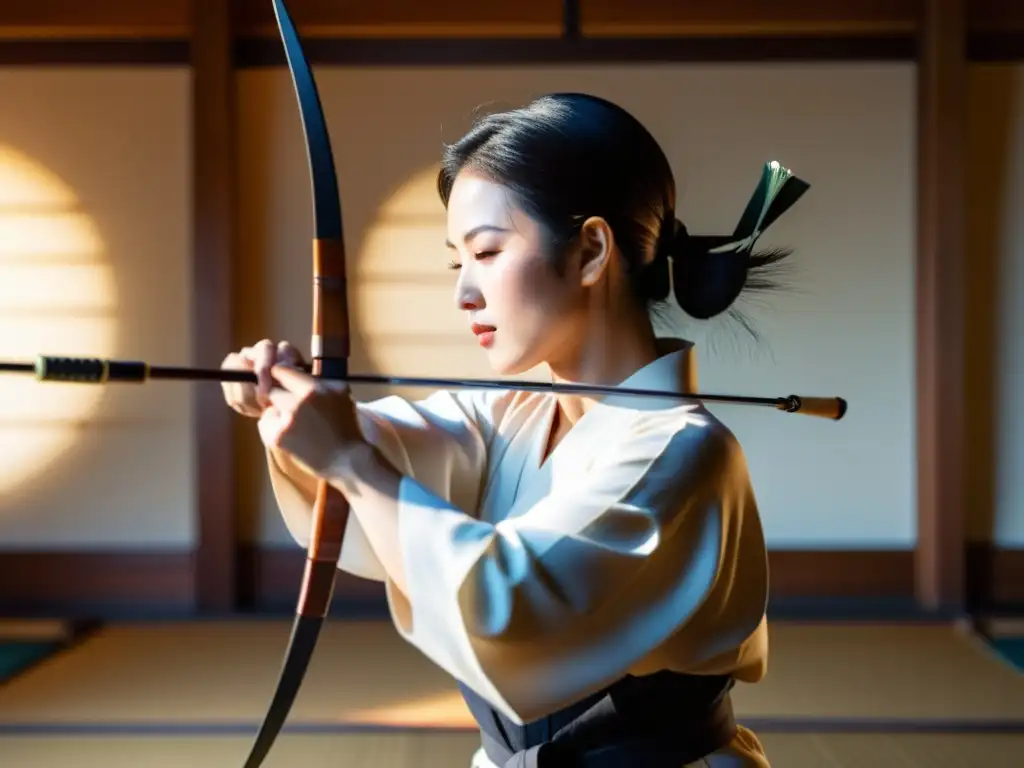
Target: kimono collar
670, 372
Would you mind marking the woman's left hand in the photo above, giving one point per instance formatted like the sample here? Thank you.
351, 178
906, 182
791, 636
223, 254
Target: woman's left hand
313, 419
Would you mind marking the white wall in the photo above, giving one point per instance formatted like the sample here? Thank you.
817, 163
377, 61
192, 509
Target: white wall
847, 129
95, 190
103, 155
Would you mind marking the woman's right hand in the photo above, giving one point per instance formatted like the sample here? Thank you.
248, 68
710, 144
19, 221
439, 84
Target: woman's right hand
251, 399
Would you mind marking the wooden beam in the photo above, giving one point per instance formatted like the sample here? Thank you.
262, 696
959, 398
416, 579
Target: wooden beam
941, 316
883, 579
117, 584
86, 52
467, 52
110, 19
95, 19
571, 19
91, 584
747, 18
1006, 16
213, 222
996, 30
408, 18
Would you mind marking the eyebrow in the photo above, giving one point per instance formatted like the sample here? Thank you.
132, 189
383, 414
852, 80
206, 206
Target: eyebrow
476, 231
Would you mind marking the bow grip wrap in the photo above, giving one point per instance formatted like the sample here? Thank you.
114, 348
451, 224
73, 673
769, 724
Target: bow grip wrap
89, 370
329, 348
329, 345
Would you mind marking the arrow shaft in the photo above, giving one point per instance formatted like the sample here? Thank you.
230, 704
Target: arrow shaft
97, 371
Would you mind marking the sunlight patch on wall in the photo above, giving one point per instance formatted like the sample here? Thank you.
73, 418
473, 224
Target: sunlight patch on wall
404, 291
57, 296
439, 710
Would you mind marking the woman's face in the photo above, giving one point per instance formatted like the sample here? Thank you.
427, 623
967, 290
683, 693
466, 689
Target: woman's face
520, 309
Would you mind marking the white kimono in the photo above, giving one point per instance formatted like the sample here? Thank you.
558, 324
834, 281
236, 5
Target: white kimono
635, 547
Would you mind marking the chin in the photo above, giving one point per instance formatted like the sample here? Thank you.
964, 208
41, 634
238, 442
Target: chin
508, 365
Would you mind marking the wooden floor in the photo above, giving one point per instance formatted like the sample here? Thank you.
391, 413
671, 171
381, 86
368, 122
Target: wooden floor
439, 750
193, 694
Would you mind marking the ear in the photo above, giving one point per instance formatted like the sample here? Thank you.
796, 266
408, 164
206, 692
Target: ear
596, 243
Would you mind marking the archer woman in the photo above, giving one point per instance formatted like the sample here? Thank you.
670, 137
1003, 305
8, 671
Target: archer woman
591, 571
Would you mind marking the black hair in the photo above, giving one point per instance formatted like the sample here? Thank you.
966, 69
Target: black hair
567, 156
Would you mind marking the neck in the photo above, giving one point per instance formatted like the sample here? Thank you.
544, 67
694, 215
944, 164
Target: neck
609, 354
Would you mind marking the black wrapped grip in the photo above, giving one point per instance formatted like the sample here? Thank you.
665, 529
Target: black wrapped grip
89, 370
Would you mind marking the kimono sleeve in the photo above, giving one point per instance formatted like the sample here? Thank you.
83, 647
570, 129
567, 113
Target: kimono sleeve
441, 441
547, 606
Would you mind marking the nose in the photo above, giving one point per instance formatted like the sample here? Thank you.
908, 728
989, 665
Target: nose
467, 293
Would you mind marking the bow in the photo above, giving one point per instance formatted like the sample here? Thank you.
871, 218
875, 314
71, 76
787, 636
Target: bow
329, 349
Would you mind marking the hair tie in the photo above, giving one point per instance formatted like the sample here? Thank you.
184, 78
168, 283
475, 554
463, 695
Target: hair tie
680, 243
655, 281
666, 239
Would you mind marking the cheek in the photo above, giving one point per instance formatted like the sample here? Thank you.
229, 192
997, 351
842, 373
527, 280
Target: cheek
528, 284
507, 287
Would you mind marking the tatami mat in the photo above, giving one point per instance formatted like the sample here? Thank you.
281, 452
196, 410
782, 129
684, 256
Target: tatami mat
202, 674
424, 749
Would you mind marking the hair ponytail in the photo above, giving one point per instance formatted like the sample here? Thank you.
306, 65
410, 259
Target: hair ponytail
709, 272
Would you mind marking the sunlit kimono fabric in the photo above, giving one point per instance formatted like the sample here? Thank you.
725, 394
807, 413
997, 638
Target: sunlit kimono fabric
636, 546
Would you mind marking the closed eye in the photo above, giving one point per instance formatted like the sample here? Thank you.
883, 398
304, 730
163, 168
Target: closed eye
482, 255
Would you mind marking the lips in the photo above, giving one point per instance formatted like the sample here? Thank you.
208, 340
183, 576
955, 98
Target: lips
484, 334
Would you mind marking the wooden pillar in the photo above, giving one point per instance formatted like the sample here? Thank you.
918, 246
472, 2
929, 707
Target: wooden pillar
213, 221
941, 338
571, 19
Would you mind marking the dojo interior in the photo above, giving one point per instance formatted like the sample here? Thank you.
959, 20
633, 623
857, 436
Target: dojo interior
155, 205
